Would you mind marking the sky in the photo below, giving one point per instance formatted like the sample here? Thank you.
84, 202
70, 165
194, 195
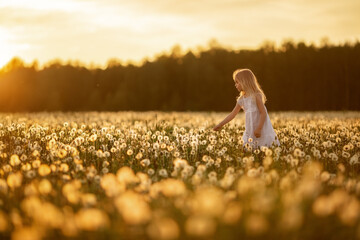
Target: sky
94, 31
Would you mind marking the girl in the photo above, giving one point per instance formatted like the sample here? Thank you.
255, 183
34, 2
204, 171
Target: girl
258, 129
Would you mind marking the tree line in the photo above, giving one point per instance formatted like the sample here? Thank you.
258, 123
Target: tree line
295, 76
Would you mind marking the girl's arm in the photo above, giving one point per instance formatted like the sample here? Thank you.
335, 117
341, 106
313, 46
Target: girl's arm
228, 118
262, 111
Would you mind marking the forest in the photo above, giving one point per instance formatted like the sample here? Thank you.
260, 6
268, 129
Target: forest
295, 76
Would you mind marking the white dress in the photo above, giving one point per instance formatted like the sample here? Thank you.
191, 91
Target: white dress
252, 117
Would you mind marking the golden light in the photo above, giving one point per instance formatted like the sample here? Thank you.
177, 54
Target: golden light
134, 30
66, 5
6, 50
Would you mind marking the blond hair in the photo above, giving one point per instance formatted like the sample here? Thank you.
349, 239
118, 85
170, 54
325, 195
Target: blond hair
249, 83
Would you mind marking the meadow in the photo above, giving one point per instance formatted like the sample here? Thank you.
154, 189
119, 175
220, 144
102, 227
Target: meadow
168, 175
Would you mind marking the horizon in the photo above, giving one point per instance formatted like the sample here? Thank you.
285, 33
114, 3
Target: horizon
179, 50
93, 32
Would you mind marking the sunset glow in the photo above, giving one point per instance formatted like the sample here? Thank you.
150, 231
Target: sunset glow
5, 49
95, 31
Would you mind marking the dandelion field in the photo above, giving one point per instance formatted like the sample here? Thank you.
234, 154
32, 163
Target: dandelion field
155, 175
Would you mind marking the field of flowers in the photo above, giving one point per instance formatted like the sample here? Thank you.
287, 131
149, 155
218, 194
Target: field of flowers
155, 175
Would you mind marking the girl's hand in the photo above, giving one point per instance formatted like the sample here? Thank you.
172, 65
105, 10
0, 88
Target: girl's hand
217, 128
257, 133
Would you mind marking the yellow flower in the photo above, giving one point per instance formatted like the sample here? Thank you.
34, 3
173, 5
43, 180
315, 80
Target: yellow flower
93, 138
268, 152
111, 186
14, 160
267, 161
208, 201
129, 152
45, 187
139, 156
71, 191
44, 170
91, 219
64, 167
297, 152
62, 153
36, 163
14, 180
323, 206
7, 168
126, 175
325, 176
168, 187
88, 199
36, 153
26, 167
133, 208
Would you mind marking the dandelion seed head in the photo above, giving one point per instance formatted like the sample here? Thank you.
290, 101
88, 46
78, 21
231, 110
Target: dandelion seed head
44, 170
